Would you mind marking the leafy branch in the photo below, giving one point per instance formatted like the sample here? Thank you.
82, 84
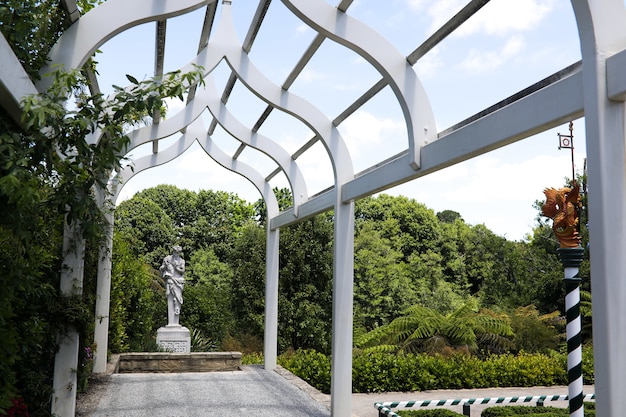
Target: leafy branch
75, 140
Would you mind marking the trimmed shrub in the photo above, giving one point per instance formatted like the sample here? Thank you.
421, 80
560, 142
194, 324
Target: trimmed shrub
438, 412
519, 410
384, 372
381, 372
252, 359
312, 366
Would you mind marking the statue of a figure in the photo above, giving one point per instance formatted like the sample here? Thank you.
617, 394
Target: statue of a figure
172, 271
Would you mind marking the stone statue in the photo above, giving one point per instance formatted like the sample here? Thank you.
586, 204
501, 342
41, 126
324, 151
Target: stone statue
172, 271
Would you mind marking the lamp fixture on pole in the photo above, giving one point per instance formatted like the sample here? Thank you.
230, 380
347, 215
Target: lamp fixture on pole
567, 142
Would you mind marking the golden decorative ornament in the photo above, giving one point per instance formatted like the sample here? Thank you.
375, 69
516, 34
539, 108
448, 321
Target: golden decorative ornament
562, 207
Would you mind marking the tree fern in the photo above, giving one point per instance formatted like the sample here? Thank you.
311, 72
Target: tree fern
421, 329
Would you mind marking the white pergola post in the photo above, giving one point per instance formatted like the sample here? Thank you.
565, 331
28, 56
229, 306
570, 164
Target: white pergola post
66, 360
598, 24
270, 344
343, 282
103, 299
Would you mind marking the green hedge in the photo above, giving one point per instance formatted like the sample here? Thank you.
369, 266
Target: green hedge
382, 372
377, 372
438, 412
312, 366
518, 410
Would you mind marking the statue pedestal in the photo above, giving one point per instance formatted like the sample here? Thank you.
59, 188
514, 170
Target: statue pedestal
174, 338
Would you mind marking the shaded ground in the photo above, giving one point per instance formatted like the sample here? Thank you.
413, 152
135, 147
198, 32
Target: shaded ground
249, 392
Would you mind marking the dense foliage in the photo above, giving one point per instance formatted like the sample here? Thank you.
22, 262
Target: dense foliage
458, 286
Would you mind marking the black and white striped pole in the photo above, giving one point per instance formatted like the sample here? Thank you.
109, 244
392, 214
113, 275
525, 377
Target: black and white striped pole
571, 258
563, 206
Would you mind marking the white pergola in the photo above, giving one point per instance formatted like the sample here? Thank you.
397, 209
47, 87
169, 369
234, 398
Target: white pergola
594, 88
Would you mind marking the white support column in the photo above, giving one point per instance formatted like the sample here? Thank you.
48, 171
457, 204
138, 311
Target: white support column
606, 156
343, 283
270, 346
103, 299
66, 359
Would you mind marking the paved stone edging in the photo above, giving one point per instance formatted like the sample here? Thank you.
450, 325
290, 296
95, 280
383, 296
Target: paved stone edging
167, 362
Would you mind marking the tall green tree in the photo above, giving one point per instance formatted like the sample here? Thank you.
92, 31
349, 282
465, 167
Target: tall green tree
196, 220
431, 286
147, 227
137, 300
409, 225
305, 287
382, 284
180, 205
247, 259
208, 295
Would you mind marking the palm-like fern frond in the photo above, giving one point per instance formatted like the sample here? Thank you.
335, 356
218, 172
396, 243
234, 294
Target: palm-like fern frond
424, 329
381, 349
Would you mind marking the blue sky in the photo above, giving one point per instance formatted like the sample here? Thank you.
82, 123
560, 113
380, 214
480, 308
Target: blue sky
504, 48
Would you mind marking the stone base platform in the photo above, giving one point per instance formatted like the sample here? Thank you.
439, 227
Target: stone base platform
174, 338
164, 362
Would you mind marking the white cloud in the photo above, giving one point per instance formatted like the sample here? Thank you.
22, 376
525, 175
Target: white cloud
441, 11
502, 17
194, 170
363, 130
480, 61
429, 64
489, 178
303, 29
416, 5
316, 168
491, 190
309, 76
495, 18
196, 161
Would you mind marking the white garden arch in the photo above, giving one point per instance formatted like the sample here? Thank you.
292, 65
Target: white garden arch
594, 88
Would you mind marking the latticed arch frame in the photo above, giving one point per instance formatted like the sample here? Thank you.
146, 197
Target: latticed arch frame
594, 88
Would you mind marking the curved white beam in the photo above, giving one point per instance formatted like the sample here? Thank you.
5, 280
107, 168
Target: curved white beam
224, 44
197, 132
392, 65
208, 97
103, 22
154, 160
258, 141
15, 83
244, 170
167, 127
